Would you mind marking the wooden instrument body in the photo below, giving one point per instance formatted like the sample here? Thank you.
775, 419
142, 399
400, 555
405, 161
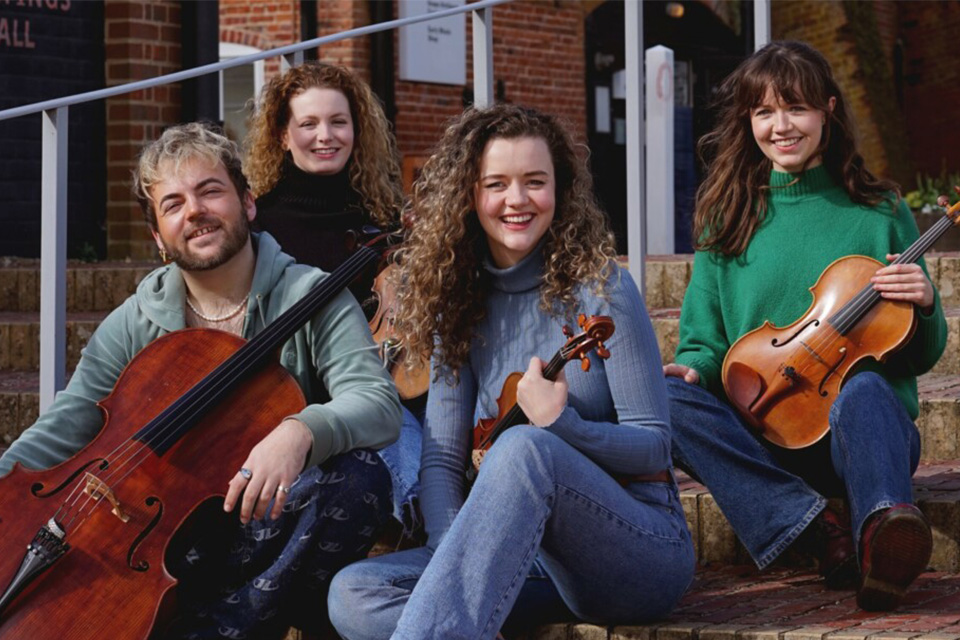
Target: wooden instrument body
93, 591
783, 381
411, 383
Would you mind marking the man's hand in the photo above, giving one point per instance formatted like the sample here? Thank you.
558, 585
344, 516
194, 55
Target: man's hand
681, 371
542, 400
272, 466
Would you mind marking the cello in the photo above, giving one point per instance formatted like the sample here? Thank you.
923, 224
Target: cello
783, 381
96, 526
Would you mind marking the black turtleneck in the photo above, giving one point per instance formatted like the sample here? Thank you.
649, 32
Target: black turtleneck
310, 215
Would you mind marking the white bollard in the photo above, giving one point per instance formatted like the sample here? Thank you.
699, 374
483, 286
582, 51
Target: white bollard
660, 194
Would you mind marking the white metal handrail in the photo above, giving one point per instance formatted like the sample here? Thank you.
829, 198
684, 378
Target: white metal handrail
53, 199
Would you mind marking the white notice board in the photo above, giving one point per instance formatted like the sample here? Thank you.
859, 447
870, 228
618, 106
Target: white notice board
433, 51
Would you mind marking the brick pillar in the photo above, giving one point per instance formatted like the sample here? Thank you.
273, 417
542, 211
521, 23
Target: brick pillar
142, 40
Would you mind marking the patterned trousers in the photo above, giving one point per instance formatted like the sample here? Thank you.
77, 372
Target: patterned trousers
256, 581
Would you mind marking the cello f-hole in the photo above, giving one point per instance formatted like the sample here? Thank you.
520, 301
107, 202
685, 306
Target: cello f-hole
37, 487
776, 343
143, 565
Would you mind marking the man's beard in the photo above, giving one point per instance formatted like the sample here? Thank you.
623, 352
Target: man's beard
235, 240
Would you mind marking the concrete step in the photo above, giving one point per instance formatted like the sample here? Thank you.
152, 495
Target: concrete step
666, 324
737, 603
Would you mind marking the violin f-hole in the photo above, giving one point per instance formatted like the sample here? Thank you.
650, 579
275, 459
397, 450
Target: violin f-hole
776, 343
843, 356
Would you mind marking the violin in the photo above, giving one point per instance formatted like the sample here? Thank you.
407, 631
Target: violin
595, 331
411, 383
96, 527
783, 381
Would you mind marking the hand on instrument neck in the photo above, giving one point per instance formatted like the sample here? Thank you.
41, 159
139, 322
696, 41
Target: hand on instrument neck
542, 400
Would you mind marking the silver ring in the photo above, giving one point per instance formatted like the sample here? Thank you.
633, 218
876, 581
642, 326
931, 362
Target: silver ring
283, 489
246, 473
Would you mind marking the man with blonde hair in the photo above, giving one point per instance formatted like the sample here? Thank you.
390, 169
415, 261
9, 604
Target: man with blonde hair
251, 580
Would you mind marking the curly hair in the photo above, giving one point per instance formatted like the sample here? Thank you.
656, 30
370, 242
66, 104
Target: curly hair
442, 291
731, 201
177, 145
374, 165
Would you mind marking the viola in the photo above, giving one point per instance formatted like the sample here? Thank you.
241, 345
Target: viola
96, 526
783, 381
411, 383
595, 331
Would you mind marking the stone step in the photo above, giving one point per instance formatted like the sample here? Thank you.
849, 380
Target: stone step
738, 603
666, 325
20, 337
102, 286
936, 488
99, 286
667, 278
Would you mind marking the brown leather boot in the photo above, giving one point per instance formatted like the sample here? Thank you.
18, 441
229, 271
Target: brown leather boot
894, 549
838, 561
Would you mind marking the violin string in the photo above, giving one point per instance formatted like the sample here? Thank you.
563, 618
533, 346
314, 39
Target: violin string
158, 430
854, 309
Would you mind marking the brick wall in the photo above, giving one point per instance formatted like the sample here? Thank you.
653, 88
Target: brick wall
824, 26
931, 83
142, 40
264, 25
541, 67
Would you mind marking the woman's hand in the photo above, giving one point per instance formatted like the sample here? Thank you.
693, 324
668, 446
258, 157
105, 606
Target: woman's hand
681, 371
274, 462
905, 282
542, 400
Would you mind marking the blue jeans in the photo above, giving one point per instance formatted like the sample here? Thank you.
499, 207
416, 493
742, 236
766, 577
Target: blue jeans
402, 459
765, 492
614, 555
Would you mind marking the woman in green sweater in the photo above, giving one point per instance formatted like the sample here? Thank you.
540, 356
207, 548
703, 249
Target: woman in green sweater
786, 194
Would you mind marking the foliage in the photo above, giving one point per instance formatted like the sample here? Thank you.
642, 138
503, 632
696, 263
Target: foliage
929, 188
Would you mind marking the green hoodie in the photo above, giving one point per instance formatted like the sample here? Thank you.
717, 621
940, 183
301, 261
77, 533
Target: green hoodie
352, 401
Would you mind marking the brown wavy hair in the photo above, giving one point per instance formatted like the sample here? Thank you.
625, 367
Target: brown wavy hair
731, 201
442, 289
374, 165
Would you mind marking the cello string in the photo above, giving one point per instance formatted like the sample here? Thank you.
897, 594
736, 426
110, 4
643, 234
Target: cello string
223, 376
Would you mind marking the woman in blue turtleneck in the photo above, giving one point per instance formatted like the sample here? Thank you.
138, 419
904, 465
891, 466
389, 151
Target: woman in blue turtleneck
574, 513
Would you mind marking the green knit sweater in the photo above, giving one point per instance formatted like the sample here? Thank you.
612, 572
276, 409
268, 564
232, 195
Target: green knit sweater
808, 225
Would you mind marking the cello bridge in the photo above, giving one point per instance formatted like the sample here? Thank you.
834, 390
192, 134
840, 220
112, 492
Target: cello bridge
98, 490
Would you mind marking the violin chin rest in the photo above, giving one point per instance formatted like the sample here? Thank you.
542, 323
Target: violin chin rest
743, 385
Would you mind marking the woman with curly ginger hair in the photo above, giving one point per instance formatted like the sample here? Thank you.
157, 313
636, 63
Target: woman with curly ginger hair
321, 161
786, 194
574, 512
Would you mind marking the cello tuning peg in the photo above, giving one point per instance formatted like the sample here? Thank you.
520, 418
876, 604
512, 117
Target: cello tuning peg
567, 331
943, 201
602, 351
584, 362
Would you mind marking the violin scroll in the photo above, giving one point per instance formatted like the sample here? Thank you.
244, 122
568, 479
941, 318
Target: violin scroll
596, 330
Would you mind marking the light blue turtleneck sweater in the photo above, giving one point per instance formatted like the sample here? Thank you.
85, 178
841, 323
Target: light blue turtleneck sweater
617, 413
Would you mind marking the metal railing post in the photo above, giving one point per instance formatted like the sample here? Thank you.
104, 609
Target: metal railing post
761, 24
636, 213
53, 255
290, 60
483, 57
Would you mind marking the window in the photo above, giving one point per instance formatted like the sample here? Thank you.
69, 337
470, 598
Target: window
237, 87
